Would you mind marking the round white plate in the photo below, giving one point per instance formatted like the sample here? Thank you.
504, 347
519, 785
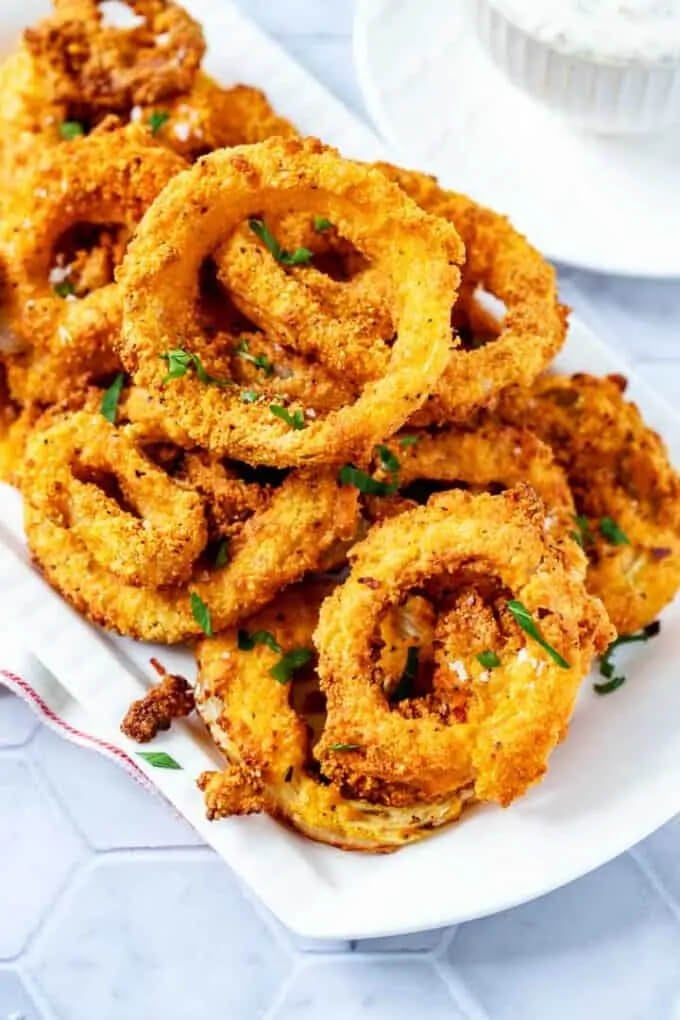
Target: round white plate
608, 204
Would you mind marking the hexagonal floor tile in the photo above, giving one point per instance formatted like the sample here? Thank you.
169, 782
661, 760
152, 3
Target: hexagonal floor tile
605, 946
370, 989
17, 722
38, 848
127, 816
16, 1002
662, 853
157, 935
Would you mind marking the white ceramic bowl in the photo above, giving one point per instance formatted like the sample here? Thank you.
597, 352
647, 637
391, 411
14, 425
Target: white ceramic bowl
601, 94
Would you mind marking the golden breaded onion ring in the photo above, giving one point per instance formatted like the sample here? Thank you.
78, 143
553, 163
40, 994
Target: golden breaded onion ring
263, 729
619, 472
200, 209
210, 116
276, 546
489, 730
92, 65
501, 261
107, 178
155, 545
488, 458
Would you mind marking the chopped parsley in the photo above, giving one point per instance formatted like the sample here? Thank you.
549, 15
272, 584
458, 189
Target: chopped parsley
159, 759
610, 530
351, 475
607, 668
408, 440
201, 614
181, 361
488, 659
109, 404
261, 361
298, 257
249, 396
296, 420
527, 623
222, 554
404, 688
321, 223
70, 129
387, 459
64, 289
247, 642
345, 747
290, 663
584, 535
157, 119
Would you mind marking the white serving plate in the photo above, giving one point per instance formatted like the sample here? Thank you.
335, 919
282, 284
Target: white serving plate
615, 780
603, 203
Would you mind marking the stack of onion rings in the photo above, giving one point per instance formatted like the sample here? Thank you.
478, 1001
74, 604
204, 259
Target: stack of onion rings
258, 393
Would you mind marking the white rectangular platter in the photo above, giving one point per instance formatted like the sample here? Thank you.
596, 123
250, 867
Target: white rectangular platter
615, 779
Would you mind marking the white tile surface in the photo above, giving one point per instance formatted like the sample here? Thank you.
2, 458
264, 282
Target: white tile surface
38, 850
17, 722
136, 933
604, 946
152, 935
373, 990
16, 1002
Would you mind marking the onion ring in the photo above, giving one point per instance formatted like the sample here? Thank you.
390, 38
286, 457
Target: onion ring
491, 731
154, 543
624, 487
107, 178
489, 458
501, 261
200, 208
89, 64
265, 730
289, 536
212, 117
347, 325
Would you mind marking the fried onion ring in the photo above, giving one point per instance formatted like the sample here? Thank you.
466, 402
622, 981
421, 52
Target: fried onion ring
489, 458
212, 117
347, 326
619, 473
489, 731
200, 209
280, 542
266, 729
501, 261
106, 180
91, 65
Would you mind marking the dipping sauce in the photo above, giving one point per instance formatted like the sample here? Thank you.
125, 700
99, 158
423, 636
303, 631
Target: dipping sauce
616, 31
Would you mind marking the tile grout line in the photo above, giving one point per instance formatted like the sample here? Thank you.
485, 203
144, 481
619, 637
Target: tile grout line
659, 886
278, 1000
465, 1001
447, 970
36, 993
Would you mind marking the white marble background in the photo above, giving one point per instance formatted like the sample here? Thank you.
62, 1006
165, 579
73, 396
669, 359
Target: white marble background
111, 909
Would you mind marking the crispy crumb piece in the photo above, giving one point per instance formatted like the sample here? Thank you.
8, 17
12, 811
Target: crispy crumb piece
168, 700
235, 791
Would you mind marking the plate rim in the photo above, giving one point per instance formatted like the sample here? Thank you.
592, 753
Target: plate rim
375, 107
